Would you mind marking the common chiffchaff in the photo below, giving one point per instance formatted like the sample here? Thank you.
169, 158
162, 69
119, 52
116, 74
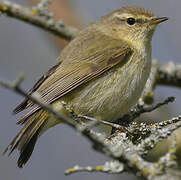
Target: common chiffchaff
101, 73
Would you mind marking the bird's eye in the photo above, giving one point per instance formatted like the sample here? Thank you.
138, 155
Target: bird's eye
131, 21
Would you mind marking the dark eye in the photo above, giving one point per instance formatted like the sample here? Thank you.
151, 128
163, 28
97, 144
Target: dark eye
131, 21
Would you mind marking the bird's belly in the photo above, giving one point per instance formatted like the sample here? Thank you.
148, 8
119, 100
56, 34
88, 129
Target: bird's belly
109, 96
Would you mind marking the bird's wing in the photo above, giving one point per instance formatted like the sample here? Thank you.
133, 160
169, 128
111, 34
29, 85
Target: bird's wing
68, 76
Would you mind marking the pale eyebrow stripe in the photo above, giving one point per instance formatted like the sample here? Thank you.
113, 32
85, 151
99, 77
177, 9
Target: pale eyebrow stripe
123, 16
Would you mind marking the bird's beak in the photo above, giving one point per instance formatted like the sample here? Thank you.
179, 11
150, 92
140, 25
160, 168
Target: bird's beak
158, 20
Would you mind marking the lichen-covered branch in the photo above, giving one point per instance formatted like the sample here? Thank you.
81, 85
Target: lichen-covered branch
136, 142
42, 8
39, 17
131, 158
157, 132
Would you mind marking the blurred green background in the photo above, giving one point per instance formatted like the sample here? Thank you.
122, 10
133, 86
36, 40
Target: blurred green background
25, 48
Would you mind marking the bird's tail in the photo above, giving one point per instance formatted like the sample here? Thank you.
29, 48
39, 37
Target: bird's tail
25, 140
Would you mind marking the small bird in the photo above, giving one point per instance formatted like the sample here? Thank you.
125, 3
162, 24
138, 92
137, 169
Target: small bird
101, 73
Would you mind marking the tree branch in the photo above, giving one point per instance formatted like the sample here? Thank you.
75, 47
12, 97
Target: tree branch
38, 17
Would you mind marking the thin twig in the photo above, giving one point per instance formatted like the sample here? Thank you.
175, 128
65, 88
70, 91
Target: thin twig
111, 167
148, 95
141, 109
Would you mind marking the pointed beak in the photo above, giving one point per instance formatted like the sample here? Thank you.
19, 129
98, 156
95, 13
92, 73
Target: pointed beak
158, 20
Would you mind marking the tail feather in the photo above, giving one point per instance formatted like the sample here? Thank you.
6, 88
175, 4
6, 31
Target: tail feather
26, 153
26, 138
14, 143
